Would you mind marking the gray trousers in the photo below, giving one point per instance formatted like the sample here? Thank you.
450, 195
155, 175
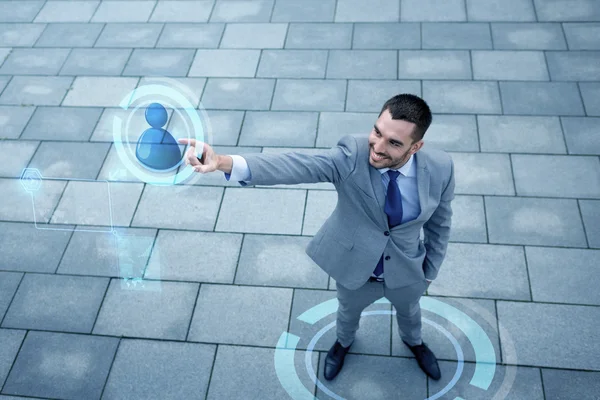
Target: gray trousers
405, 300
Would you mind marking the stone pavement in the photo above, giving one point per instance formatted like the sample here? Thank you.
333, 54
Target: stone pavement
515, 90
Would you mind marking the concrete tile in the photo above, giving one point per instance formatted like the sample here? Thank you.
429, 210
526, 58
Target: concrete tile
505, 133
571, 176
62, 365
182, 11
225, 63
34, 61
103, 132
242, 11
19, 11
565, 384
96, 62
190, 88
294, 129
124, 11
534, 221
319, 206
292, 64
305, 11
453, 133
13, 119
49, 246
218, 262
574, 65
432, 10
510, 65
572, 326
17, 203
315, 36
359, 11
178, 370
362, 64
334, 125
225, 126
241, 315
254, 36
238, 94
8, 286
456, 36
151, 211
468, 220
243, 210
67, 11
113, 170
69, 159
36, 90
161, 62
75, 206
462, 97
371, 95
500, 10
10, 342
541, 98
62, 123
99, 91
590, 211
129, 35
70, 34
582, 36
190, 35
440, 64
56, 303
162, 311
15, 155
277, 260
406, 35
528, 36
591, 97
309, 95
567, 10
563, 275
4, 79
20, 35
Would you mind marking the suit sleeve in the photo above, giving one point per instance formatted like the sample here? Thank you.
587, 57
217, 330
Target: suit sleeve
437, 230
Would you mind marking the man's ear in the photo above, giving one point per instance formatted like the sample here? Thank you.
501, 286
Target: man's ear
417, 146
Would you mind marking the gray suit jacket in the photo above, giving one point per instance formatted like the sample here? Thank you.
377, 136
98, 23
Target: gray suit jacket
353, 238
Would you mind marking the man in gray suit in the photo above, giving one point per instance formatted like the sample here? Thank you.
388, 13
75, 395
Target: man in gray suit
388, 190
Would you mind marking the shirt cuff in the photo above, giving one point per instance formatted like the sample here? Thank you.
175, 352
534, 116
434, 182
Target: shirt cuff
239, 170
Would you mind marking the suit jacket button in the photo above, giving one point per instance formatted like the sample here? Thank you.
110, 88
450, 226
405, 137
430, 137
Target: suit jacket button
386, 233
387, 257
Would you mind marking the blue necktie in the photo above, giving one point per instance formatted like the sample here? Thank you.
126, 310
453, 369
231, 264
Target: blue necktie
393, 209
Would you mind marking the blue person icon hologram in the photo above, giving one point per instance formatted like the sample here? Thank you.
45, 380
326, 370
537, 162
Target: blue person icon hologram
157, 149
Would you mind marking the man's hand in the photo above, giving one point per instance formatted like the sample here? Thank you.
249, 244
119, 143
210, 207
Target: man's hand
208, 162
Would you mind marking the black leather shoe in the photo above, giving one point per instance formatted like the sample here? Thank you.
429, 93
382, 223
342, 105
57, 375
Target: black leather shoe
426, 360
335, 360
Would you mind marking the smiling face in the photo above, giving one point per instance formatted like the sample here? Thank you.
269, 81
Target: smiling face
391, 142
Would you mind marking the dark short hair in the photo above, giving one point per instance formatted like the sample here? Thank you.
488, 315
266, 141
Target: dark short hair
411, 108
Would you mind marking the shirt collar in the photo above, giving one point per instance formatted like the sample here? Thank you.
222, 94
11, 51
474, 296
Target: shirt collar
405, 170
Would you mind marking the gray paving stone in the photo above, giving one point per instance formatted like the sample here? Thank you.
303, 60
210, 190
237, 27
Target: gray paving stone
9, 281
268, 260
70, 34
67, 11
254, 35
17, 203
182, 11
505, 134
373, 11
334, 125
572, 326
238, 94
567, 10
362, 64
69, 159
528, 36
49, 246
468, 221
123, 11
56, 303
305, 11
113, 170
152, 213
534, 221
582, 36
99, 91
171, 370
406, 35
62, 123
292, 64
319, 36
4, 81
541, 98
103, 132
10, 342
19, 11
294, 129
208, 260
510, 65
439, 64
591, 97
171, 62
36, 90
34, 61
432, 10
129, 35
96, 62
590, 211
13, 120
62, 365
319, 206
191, 88
3, 55
242, 11
453, 133
76, 206
243, 210
309, 95
191, 35
252, 371
15, 156
574, 65
564, 384
462, 97
500, 10
371, 95
482, 270
20, 35
160, 310
241, 315
571, 176
448, 35
225, 63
